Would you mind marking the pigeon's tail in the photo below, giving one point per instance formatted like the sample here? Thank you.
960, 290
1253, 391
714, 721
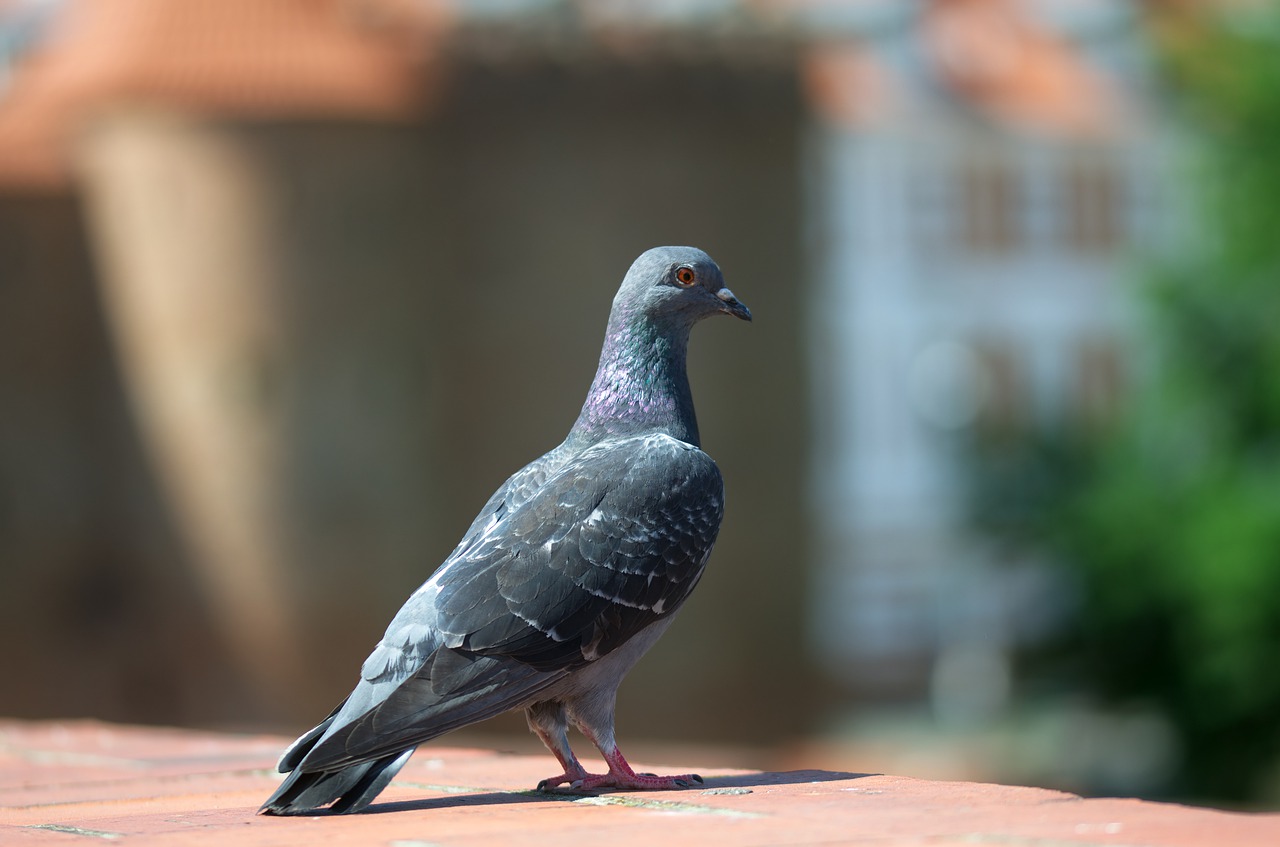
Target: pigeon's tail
350, 789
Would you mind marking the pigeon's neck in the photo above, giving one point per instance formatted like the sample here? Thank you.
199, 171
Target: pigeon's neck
641, 385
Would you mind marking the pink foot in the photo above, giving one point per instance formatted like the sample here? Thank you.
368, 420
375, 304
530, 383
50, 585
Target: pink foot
620, 777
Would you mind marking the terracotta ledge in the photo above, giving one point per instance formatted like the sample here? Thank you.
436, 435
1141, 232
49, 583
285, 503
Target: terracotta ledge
65, 782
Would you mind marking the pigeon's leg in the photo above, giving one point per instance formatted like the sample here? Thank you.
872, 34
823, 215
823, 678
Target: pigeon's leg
597, 725
549, 723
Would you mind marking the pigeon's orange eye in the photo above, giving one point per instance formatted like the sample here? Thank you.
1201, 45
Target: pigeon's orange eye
685, 276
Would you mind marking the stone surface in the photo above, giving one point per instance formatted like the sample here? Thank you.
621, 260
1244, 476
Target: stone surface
77, 782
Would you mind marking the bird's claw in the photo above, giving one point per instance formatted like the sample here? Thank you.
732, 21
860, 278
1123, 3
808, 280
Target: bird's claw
551, 783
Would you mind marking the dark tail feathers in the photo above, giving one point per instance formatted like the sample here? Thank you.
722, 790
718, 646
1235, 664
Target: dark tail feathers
349, 790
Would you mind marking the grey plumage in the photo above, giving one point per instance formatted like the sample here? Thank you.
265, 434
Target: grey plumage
571, 570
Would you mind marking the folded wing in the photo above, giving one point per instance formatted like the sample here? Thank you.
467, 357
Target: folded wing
566, 563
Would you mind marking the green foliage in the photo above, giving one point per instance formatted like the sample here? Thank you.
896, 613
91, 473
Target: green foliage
1177, 527
1173, 516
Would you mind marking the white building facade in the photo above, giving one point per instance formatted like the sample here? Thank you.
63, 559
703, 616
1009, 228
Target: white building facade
976, 219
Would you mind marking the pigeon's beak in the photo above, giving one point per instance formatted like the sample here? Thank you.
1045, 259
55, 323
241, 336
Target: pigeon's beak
732, 306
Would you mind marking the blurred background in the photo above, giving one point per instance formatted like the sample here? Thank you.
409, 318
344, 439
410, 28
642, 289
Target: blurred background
290, 287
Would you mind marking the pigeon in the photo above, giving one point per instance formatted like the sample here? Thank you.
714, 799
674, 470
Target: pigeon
572, 570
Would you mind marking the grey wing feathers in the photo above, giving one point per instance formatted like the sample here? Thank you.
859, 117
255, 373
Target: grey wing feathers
613, 542
554, 573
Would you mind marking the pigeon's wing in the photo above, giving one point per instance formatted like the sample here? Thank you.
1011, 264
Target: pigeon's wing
611, 542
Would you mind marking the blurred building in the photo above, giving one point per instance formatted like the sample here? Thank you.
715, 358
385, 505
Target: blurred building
983, 175
320, 245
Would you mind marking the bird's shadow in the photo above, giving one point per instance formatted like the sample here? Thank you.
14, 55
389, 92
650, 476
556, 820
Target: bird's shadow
711, 784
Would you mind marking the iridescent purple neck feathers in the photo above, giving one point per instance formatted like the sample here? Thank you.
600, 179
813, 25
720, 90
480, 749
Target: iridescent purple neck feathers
641, 384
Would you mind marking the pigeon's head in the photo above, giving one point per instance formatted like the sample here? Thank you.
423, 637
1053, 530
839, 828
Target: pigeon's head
676, 286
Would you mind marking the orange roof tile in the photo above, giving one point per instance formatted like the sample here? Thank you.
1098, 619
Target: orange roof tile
845, 84
995, 58
297, 58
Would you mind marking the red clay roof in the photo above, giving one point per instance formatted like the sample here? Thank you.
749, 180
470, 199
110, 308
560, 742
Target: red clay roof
993, 56
847, 85
990, 56
300, 58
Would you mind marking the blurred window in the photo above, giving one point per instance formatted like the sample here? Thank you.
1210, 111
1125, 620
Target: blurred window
932, 213
1007, 403
990, 208
1093, 217
1099, 380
